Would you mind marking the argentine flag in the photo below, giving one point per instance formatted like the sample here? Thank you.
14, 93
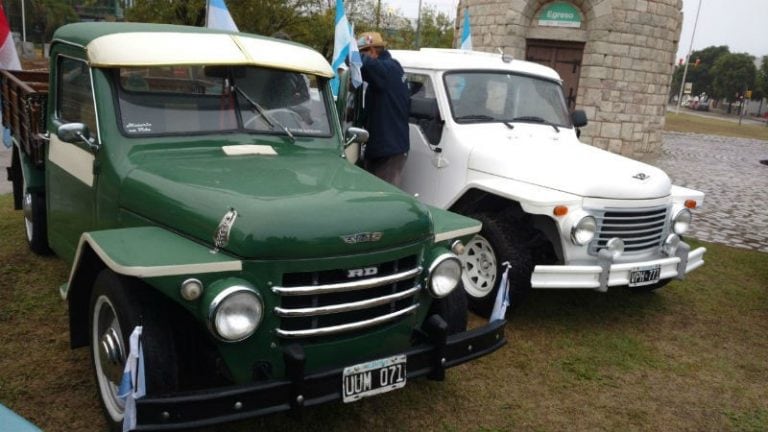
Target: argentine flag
218, 17
133, 385
466, 33
345, 47
499, 310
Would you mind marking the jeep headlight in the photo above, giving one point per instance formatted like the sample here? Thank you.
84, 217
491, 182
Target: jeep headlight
681, 221
235, 313
583, 231
444, 275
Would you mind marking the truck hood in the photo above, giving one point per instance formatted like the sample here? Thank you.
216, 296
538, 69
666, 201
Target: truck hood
304, 204
538, 155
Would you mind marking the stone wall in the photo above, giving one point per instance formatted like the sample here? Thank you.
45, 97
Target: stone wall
629, 56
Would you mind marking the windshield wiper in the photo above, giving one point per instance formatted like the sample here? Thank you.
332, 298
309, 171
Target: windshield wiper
260, 110
536, 119
479, 117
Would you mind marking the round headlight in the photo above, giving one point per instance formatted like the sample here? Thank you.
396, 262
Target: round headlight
444, 275
682, 221
235, 313
583, 231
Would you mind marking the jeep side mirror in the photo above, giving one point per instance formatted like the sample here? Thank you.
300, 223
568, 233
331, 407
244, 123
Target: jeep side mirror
355, 135
579, 118
76, 132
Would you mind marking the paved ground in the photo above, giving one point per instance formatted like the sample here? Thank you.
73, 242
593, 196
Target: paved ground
728, 170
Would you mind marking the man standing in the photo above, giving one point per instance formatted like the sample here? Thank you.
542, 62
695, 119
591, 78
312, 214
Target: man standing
386, 106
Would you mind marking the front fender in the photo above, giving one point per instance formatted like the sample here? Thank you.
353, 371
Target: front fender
532, 198
140, 252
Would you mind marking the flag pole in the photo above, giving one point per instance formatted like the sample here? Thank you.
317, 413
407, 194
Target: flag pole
23, 25
418, 27
687, 60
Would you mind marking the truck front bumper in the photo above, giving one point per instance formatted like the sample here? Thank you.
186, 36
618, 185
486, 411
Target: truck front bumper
209, 407
606, 274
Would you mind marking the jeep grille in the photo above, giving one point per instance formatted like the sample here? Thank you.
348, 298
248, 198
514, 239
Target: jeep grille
331, 302
641, 229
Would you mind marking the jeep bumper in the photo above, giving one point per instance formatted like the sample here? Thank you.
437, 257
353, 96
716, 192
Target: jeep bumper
606, 274
298, 390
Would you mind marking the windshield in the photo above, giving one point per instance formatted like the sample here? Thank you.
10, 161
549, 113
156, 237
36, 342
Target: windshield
482, 97
184, 100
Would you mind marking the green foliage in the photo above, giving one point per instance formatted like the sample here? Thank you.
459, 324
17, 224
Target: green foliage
733, 73
191, 12
700, 75
761, 80
43, 17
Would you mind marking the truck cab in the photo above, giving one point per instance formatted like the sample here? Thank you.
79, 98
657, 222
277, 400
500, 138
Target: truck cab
491, 138
196, 182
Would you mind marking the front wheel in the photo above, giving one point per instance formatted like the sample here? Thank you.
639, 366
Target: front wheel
499, 241
118, 305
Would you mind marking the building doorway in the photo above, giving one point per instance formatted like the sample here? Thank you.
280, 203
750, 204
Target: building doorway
563, 57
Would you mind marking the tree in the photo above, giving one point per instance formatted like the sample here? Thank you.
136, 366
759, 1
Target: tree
761, 84
700, 75
733, 73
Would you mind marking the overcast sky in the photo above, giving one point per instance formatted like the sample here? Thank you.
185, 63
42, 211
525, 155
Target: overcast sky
740, 24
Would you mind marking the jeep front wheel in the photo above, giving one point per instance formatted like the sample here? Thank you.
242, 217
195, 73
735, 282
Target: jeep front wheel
498, 242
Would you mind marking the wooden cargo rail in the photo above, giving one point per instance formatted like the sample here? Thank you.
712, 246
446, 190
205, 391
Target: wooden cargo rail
24, 96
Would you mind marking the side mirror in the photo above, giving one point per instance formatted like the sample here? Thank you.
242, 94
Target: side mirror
424, 108
579, 118
76, 132
355, 135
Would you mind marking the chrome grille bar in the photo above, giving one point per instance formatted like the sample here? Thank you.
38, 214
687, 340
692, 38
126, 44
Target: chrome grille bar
347, 286
345, 307
640, 229
324, 331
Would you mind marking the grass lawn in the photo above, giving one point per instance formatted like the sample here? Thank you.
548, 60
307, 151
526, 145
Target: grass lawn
689, 357
713, 126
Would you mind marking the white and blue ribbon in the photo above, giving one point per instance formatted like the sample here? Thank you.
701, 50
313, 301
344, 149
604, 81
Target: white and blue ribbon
502, 296
345, 47
133, 385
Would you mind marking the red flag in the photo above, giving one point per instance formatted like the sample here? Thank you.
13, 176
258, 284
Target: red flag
9, 59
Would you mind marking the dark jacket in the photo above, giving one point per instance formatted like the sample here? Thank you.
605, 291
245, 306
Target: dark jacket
387, 105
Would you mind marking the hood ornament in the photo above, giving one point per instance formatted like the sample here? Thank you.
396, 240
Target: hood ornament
641, 176
221, 236
361, 237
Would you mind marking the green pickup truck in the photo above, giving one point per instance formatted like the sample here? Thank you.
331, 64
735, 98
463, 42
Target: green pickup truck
196, 180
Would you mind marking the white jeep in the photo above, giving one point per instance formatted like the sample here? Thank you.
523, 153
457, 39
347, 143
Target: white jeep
491, 138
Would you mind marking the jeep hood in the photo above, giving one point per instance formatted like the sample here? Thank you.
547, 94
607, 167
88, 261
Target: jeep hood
292, 206
537, 155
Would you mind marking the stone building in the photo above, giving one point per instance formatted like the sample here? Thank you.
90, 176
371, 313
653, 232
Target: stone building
615, 57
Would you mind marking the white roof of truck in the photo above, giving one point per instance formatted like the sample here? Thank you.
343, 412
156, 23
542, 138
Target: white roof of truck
454, 59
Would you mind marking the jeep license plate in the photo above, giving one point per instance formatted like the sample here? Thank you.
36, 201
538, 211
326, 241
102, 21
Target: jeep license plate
374, 377
640, 276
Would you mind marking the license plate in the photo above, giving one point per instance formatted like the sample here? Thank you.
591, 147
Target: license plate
374, 377
640, 276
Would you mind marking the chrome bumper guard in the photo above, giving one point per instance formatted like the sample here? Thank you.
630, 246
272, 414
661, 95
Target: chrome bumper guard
299, 390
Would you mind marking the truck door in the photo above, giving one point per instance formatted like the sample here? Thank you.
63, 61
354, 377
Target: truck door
425, 130
71, 179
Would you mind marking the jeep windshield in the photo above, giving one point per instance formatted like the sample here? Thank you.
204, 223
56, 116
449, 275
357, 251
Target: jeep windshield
196, 100
503, 97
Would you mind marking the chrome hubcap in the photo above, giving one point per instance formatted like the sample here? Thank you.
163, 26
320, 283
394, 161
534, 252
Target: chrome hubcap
109, 355
479, 261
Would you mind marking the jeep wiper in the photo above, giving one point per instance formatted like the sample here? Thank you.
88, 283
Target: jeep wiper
259, 110
535, 119
477, 117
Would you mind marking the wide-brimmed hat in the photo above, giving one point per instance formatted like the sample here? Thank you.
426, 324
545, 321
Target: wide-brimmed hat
370, 39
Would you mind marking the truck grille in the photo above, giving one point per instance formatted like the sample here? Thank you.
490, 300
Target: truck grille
640, 229
331, 302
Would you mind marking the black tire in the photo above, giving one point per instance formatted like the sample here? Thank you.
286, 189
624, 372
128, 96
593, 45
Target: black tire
650, 288
15, 178
453, 309
483, 273
35, 224
118, 304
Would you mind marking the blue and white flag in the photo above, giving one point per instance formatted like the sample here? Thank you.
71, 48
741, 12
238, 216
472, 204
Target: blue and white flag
502, 296
133, 385
466, 33
344, 47
218, 17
